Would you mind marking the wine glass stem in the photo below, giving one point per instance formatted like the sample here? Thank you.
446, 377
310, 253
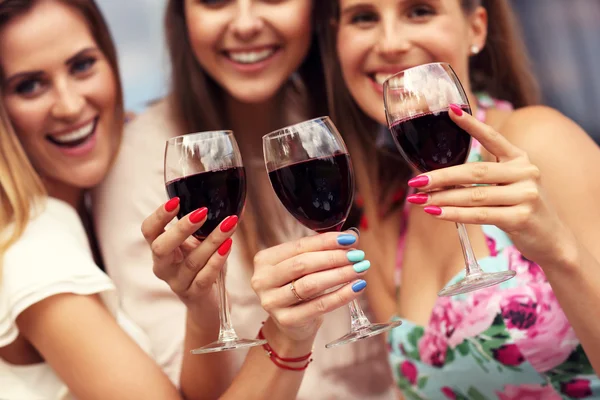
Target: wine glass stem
471, 264
226, 332
358, 319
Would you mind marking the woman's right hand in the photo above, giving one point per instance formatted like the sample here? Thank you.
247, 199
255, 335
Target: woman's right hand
190, 267
297, 282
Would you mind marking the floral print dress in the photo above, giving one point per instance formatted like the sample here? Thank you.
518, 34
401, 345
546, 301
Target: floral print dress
509, 341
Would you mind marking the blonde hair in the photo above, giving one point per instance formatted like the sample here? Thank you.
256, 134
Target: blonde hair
20, 186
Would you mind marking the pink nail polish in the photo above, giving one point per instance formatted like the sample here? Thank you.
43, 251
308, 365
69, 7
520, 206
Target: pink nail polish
433, 210
419, 198
419, 181
456, 109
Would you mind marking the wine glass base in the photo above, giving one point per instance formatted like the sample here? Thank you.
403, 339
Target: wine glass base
224, 345
363, 333
475, 282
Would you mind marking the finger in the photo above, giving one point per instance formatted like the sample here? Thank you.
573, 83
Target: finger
202, 282
506, 218
218, 241
154, 225
312, 285
324, 241
508, 195
489, 173
309, 310
309, 263
171, 239
489, 138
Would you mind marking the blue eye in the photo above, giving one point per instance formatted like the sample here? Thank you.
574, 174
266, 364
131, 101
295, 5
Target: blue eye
28, 87
82, 65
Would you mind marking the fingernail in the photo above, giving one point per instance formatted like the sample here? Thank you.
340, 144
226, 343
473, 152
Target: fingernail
225, 246
346, 240
172, 204
419, 198
355, 230
355, 255
359, 285
419, 181
198, 215
362, 266
228, 223
456, 109
433, 210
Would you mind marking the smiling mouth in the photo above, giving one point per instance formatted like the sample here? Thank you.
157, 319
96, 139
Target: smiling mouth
251, 57
76, 137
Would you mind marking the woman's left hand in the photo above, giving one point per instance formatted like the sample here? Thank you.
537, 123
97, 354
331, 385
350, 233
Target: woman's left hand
512, 198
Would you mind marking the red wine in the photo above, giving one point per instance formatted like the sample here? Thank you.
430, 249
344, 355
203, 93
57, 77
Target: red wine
223, 192
317, 192
431, 141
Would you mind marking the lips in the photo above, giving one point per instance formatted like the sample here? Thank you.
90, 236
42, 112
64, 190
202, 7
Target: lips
74, 137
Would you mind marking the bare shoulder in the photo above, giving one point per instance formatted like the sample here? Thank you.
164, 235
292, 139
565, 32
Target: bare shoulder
541, 128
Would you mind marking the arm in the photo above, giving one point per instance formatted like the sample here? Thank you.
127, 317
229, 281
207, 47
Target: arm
567, 159
96, 359
542, 192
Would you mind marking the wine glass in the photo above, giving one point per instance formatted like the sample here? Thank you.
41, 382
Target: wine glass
416, 106
205, 170
311, 173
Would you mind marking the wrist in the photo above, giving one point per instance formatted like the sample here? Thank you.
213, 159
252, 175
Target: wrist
284, 345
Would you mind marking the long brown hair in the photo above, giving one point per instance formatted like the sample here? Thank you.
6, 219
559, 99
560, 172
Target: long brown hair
197, 102
20, 186
381, 174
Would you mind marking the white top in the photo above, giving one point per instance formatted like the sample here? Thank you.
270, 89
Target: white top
52, 256
131, 192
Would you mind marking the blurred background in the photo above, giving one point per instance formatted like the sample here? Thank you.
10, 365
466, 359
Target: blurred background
563, 38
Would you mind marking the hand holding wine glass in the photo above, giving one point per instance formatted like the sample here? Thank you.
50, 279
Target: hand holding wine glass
205, 172
311, 173
300, 281
416, 105
505, 193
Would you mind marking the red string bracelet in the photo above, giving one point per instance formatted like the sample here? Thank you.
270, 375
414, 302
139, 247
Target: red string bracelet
275, 358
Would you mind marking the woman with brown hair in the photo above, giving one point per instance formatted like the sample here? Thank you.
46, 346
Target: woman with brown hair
535, 214
252, 67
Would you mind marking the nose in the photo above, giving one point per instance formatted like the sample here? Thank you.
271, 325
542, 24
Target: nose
394, 40
69, 102
246, 23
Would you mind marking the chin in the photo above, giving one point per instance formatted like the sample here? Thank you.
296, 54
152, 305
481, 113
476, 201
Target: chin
256, 94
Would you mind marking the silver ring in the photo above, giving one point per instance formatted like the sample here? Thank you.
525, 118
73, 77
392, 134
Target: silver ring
293, 289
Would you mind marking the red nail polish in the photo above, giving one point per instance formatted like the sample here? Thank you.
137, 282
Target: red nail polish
456, 109
228, 223
433, 210
419, 181
225, 246
172, 204
418, 198
198, 215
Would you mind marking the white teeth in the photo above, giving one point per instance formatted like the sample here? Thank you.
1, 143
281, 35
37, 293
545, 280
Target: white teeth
381, 77
75, 135
251, 57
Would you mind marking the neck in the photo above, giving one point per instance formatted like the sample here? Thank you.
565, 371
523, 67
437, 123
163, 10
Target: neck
66, 193
251, 121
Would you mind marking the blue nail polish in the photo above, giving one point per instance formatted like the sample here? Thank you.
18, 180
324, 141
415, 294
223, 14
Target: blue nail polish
346, 240
362, 266
355, 255
359, 285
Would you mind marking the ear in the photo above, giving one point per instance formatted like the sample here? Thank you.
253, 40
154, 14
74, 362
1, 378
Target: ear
478, 27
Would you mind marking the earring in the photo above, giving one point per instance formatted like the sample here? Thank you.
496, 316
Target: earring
474, 50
